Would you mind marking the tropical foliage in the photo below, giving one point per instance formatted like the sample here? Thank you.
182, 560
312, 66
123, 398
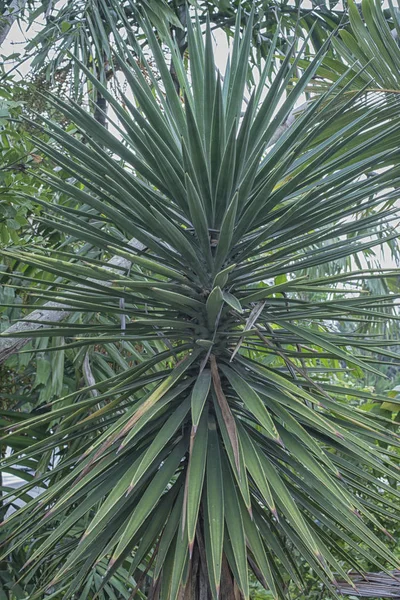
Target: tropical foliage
192, 419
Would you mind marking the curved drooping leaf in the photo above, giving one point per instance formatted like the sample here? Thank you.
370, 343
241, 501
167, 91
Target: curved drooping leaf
369, 45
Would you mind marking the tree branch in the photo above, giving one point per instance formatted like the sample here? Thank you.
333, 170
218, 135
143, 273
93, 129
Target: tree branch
10, 345
9, 16
287, 123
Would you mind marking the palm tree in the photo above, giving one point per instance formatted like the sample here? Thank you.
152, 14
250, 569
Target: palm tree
221, 445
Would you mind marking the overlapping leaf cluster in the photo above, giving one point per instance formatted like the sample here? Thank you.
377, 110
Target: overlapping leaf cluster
370, 44
227, 445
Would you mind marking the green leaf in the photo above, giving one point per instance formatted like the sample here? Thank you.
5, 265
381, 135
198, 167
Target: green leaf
181, 558
221, 278
255, 469
195, 476
235, 527
199, 218
232, 301
213, 306
226, 234
199, 396
214, 513
149, 498
160, 442
252, 401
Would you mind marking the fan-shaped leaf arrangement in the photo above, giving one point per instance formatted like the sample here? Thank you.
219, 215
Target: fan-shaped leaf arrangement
228, 446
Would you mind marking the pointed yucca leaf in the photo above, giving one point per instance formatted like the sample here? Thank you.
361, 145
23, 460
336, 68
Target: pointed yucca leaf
199, 396
273, 289
170, 174
243, 138
213, 306
352, 520
232, 301
282, 382
226, 413
222, 277
163, 588
138, 421
267, 70
229, 564
148, 264
295, 92
113, 570
269, 531
287, 504
294, 427
196, 52
173, 298
100, 137
209, 559
256, 546
168, 534
332, 527
82, 195
252, 402
336, 496
235, 527
225, 180
178, 240
78, 271
98, 537
147, 239
159, 392
292, 181
350, 470
195, 476
199, 219
372, 44
231, 62
266, 109
142, 92
209, 91
310, 463
307, 414
117, 494
255, 469
317, 339
324, 573
226, 234
65, 526
150, 497
217, 140
196, 151
238, 73
286, 141
173, 98
160, 441
214, 507
181, 559
236, 461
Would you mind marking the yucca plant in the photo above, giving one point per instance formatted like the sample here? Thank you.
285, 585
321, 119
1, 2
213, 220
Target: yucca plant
223, 446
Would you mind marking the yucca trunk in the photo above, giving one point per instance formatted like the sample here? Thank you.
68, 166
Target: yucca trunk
197, 583
197, 586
